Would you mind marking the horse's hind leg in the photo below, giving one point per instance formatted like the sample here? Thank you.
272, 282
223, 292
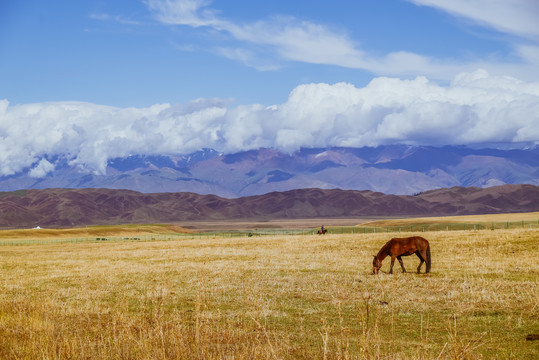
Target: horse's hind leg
421, 263
402, 264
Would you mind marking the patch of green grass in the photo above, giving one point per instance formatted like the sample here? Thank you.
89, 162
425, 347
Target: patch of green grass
19, 193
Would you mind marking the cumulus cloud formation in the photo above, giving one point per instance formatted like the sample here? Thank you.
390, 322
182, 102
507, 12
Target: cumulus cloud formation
475, 108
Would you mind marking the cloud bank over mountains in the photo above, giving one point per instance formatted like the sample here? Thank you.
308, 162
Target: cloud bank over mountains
474, 109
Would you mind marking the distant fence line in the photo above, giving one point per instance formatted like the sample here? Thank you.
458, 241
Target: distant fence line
447, 227
280, 232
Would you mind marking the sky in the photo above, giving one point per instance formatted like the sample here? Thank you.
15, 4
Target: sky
88, 81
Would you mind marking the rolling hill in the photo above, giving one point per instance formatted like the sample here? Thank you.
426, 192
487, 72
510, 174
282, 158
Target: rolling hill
81, 207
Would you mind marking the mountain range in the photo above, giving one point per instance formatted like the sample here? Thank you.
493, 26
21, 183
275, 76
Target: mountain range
81, 207
394, 169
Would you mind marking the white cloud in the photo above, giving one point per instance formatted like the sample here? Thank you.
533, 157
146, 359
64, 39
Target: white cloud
186, 12
113, 18
41, 169
288, 37
475, 108
248, 58
518, 17
265, 44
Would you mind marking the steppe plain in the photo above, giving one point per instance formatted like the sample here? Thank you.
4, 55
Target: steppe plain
271, 297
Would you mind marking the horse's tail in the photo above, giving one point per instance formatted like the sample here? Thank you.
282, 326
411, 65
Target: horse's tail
427, 260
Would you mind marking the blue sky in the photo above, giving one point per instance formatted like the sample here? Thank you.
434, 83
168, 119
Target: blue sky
138, 53
100, 79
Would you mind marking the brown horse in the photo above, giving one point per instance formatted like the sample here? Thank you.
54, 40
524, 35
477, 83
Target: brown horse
398, 247
322, 232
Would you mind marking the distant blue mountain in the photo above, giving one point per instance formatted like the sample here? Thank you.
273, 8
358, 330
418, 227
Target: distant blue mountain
393, 169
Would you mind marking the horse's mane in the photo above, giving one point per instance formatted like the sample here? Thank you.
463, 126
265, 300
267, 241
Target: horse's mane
384, 250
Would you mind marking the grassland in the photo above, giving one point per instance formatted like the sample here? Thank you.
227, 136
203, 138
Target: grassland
276, 297
515, 218
130, 230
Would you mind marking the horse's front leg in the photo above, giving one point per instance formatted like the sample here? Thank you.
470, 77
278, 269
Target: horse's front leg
402, 264
392, 263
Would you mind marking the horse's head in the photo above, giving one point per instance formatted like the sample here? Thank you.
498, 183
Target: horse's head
376, 265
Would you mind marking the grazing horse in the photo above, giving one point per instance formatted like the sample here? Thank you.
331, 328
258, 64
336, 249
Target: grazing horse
398, 247
322, 232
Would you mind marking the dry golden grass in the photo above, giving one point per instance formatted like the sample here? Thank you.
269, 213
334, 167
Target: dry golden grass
93, 231
468, 219
280, 297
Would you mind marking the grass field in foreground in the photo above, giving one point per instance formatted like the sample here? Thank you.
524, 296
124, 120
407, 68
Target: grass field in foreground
281, 297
